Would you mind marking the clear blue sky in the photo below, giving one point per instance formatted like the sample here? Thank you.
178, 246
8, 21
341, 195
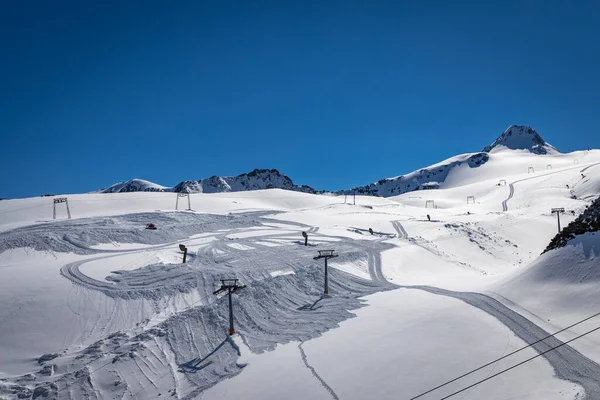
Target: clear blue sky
334, 94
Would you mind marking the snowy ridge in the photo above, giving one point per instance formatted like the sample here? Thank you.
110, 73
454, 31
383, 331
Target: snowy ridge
431, 177
515, 138
256, 180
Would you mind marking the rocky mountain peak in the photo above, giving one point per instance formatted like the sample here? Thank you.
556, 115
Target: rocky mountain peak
521, 137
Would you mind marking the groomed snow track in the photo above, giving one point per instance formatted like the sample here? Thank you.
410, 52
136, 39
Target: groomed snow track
568, 363
269, 311
512, 187
191, 345
400, 230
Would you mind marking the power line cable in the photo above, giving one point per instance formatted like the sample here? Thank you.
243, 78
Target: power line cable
519, 364
483, 380
505, 356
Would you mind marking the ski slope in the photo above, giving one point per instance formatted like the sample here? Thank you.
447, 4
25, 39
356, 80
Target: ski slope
99, 307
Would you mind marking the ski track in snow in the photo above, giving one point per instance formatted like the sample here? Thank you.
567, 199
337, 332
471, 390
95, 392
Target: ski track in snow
270, 311
568, 363
400, 230
315, 374
512, 187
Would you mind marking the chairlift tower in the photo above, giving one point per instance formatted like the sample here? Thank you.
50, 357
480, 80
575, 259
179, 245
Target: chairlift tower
558, 211
326, 254
428, 202
183, 195
530, 170
230, 286
471, 199
549, 167
59, 200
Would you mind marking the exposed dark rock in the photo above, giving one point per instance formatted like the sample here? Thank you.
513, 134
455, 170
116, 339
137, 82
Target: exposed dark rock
518, 137
588, 221
47, 357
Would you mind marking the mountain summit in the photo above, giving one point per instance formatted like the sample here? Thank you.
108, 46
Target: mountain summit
520, 137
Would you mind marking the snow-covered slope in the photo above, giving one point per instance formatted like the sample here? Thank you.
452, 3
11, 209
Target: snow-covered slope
431, 177
100, 307
588, 221
561, 287
569, 265
256, 180
470, 166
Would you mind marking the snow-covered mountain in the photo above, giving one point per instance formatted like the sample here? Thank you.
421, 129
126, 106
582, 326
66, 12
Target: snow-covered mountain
433, 177
427, 178
520, 137
135, 185
516, 138
255, 180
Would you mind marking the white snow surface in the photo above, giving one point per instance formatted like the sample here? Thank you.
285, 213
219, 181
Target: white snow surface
99, 307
